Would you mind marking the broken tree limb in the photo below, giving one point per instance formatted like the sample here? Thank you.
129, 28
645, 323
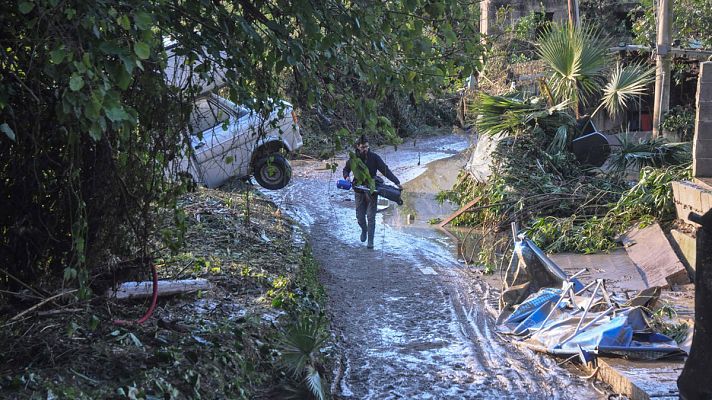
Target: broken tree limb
140, 290
41, 303
459, 212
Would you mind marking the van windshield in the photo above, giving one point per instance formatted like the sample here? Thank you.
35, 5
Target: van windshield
206, 115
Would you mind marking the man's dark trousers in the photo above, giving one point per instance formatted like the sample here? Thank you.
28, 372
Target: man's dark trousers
366, 206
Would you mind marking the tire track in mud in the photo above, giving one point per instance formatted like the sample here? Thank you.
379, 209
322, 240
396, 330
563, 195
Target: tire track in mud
405, 332
514, 364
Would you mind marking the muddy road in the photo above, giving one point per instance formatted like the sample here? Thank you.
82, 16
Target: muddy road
411, 318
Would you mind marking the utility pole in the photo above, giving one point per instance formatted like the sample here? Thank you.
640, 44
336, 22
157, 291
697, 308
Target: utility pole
662, 65
577, 18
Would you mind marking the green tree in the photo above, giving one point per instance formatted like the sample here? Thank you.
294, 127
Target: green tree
692, 23
90, 125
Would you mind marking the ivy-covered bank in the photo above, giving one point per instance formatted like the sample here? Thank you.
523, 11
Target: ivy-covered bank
258, 332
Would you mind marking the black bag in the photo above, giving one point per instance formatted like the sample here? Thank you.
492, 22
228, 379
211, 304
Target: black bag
392, 193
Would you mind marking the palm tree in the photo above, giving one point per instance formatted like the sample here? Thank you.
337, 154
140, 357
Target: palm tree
577, 59
579, 63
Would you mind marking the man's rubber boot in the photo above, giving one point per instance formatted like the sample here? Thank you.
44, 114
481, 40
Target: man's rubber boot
370, 244
363, 235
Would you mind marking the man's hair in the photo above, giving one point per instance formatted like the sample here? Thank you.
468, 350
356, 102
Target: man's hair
362, 140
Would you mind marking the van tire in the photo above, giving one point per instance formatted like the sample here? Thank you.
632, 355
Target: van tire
273, 171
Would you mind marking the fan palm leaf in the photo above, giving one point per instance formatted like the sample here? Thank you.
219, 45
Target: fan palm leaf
657, 152
315, 383
301, 344
577, 59
625, 83
494, 115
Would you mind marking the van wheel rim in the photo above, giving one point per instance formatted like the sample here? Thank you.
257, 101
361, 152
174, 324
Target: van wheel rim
273, 177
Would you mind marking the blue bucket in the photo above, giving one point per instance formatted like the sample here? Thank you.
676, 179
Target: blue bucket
343, 184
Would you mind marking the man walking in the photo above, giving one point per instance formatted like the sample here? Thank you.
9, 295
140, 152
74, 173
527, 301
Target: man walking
366, 202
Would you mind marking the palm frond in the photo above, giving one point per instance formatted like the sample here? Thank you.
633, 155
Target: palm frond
656, 152
301, 343
495, 115
560, 140
577, 60
625, 83
315, 383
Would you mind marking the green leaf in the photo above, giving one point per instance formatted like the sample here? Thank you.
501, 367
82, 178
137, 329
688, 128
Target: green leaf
124, 22
70, 273
76, 82
142, 50
410, 5
143, 20
111, 48
449, 34
120, 76
116, 113
5, 128
26, 6
57, 56
95, 132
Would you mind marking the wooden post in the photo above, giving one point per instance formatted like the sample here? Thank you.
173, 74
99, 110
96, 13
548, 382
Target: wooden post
661, 102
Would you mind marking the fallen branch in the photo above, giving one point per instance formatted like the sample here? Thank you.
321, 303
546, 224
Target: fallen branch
59, 311
41, 303
11, 276
458, 212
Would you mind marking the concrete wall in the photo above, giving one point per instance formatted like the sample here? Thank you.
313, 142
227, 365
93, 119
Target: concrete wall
702, 147
697, 196
519, 8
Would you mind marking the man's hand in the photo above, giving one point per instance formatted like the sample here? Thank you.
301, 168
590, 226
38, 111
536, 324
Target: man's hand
399, 186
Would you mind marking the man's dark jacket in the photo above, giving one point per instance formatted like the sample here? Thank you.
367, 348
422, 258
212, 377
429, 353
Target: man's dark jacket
374, 163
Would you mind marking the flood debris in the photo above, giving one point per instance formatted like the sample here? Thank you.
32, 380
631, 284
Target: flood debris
651, 251
140, 290
546, 310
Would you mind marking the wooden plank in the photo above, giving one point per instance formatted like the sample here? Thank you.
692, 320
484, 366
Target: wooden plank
641, 379
652, 253
619, 271
459, 212
138, 290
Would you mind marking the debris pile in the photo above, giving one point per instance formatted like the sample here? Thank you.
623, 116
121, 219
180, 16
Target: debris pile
544, 309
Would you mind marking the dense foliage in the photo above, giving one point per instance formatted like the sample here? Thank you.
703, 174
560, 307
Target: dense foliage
535, 178
89, 124
563, 205
691, 25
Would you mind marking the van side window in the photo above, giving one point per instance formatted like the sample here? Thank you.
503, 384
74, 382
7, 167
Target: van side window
207, 115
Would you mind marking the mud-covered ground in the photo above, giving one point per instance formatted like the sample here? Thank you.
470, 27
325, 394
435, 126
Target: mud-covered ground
411, 319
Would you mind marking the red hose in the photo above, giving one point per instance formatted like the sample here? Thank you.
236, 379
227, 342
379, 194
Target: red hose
150, 310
